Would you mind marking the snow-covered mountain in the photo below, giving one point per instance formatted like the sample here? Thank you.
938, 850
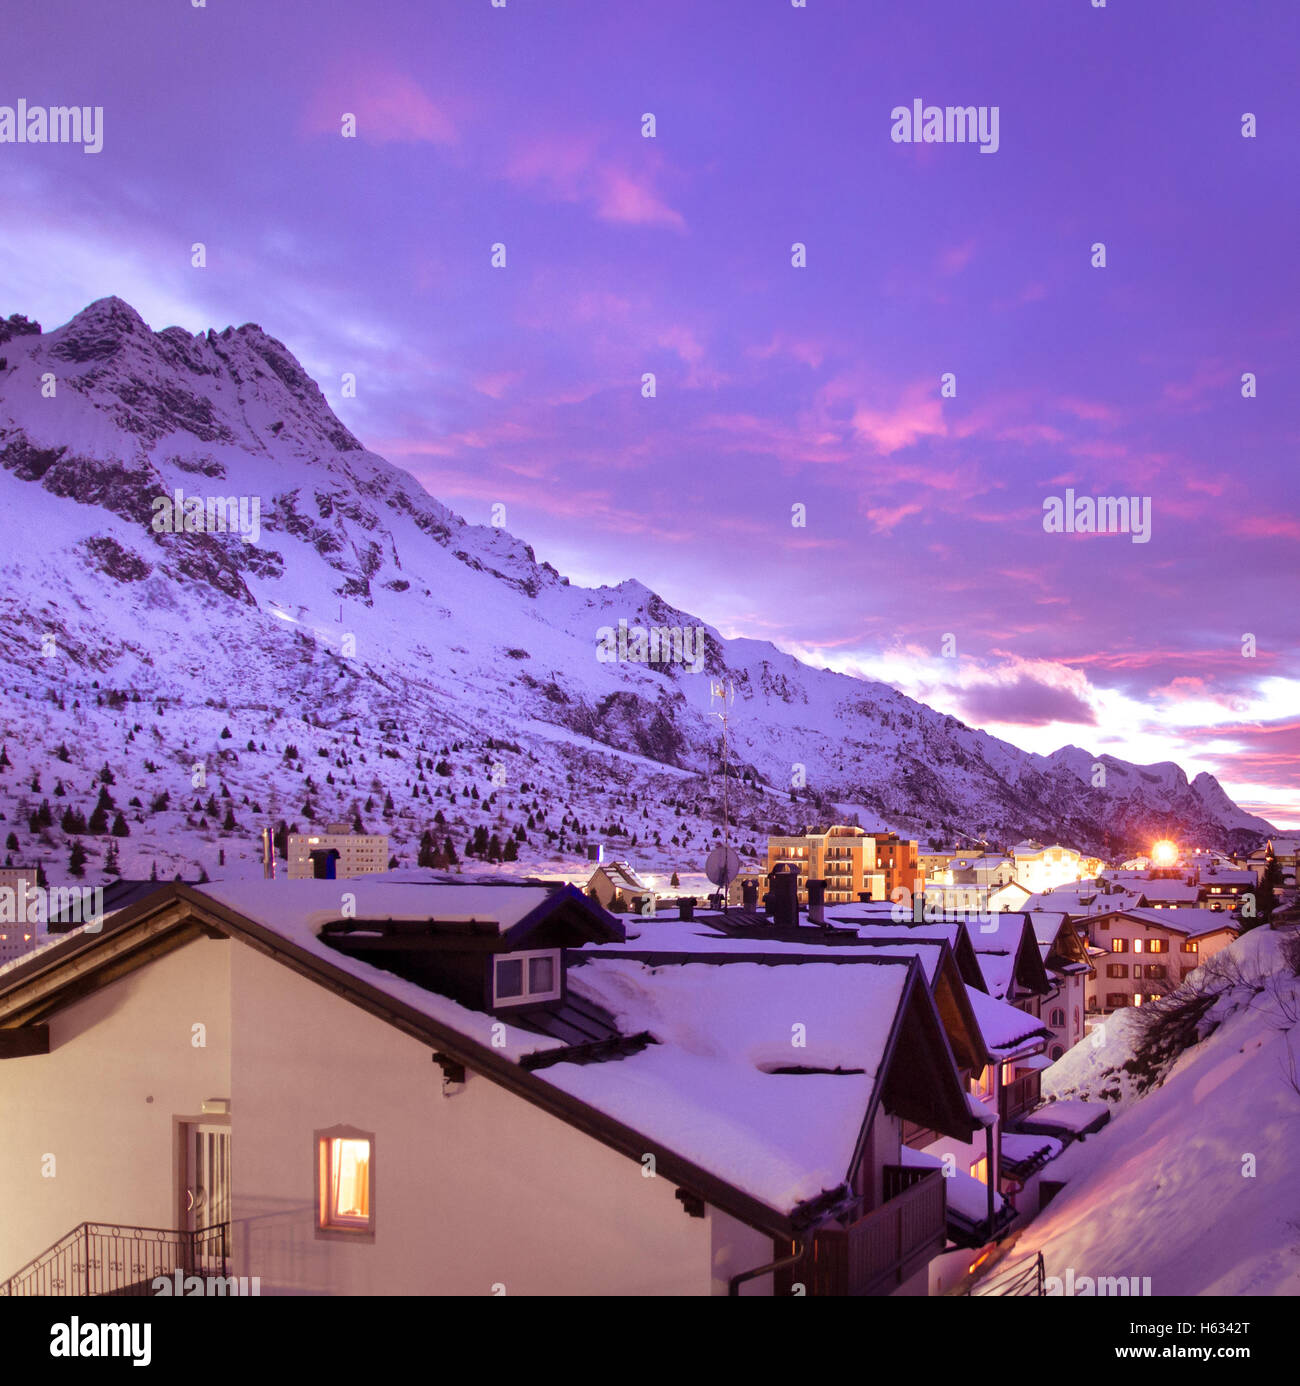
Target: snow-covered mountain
369, 625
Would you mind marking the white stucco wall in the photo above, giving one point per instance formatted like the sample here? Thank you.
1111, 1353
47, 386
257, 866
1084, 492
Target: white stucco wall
472, 1191
122, 1064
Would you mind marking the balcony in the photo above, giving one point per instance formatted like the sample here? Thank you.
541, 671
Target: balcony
887, 1246
112, 1259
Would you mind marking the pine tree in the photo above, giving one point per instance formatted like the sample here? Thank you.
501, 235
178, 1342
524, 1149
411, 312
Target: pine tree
153, 871
77, 860
228, 823
120, 828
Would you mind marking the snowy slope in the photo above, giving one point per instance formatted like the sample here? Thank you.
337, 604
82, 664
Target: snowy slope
397, 628
1196, 1176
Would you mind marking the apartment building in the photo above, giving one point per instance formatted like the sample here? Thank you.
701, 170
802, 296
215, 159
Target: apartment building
1148, 952
337, 853
1040, 868
847, 858
898, 859
17, 935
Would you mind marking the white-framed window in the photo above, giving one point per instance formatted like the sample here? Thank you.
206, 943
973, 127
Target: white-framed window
345, 1183
520, 979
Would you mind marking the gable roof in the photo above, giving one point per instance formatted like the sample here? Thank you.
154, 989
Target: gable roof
1189, 923
1009, 957
620, 874
665, 941
626, 1103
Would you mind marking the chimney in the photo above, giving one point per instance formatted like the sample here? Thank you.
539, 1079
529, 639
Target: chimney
817, 903
785, 899
686, 907
749, 895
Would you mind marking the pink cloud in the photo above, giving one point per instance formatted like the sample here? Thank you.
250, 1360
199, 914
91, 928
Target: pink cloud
1267, 527
571, 168
389, 107
890, 429
886, 518
956, 258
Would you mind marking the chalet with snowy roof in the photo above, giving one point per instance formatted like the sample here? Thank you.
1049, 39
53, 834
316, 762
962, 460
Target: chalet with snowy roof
442, 1088
972, 881
983, 1200
614, 884
1069, 965
1284, 850
1148, 952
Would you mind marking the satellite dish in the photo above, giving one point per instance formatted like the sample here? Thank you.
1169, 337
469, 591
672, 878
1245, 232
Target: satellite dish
723, 866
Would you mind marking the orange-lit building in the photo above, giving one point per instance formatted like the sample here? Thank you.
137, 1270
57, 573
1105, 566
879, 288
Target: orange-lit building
899, 860
852, 861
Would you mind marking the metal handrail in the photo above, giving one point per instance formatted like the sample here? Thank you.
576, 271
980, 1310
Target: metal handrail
98, 1258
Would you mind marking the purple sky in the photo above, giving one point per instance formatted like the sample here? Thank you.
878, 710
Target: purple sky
776, 385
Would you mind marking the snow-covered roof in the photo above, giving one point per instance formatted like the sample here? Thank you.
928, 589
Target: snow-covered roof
1070, 1115
1025, 1147
621, 873
705, 1089
1007, 1030
966, 1195
1046, 925
672, 936
1192, 923
1166, 888
311, 903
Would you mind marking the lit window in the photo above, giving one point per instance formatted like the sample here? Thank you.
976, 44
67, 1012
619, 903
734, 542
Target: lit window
980, 1169
345, 1182
1137, 945
526, 978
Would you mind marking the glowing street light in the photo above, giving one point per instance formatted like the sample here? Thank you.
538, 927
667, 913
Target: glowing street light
1164, 853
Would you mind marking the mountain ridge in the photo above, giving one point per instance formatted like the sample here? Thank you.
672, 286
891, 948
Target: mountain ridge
455, 622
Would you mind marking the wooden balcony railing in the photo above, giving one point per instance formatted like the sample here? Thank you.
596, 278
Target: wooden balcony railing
886, 1246
1019, 1095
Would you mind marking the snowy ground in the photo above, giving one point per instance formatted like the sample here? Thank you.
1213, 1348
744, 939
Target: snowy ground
1193, 1184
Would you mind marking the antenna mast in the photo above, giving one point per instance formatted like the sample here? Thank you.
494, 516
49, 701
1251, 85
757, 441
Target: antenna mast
724, 694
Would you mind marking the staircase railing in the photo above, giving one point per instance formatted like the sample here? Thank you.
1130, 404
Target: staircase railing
98, 1258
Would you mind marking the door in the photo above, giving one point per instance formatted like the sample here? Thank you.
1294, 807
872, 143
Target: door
205, 1195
